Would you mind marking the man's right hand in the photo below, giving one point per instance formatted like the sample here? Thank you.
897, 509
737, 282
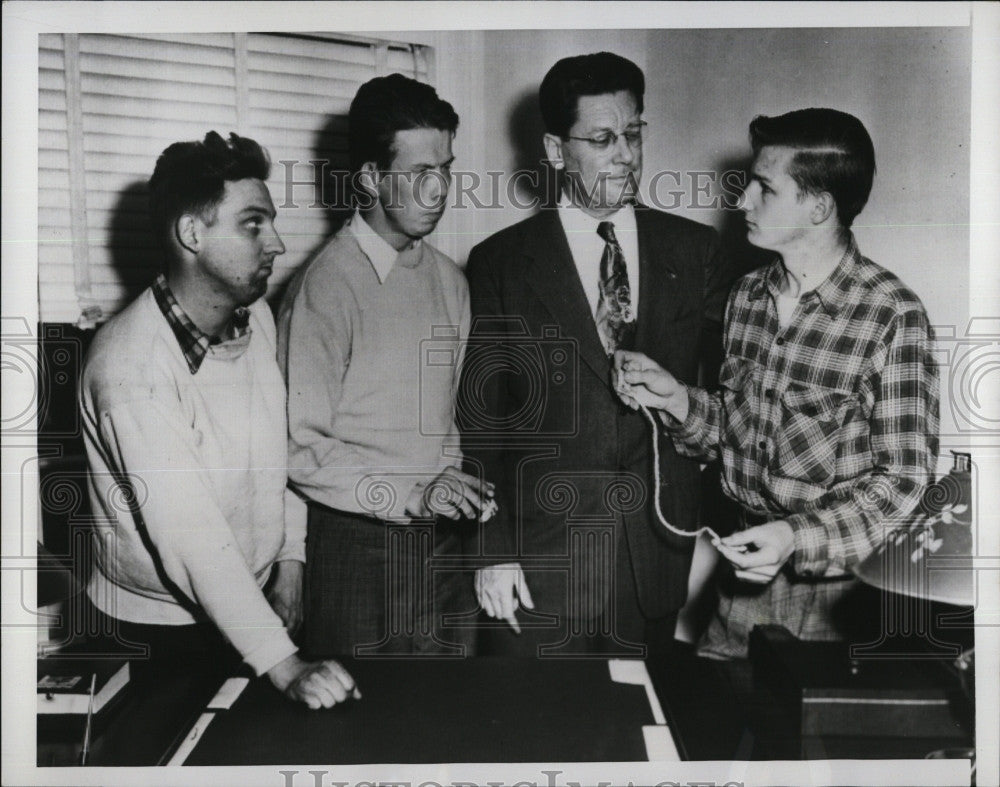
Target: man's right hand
319, 684
649, 384
450, 494
496, 587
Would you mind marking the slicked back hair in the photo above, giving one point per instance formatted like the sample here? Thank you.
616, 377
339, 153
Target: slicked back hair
833, 153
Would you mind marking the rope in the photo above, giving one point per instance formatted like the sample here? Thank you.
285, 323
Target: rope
656, 484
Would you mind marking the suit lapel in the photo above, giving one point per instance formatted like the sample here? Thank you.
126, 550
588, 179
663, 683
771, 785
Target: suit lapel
552, 274
658, 278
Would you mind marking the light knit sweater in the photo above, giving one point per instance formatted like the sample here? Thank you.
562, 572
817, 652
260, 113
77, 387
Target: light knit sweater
371, 345
188, 479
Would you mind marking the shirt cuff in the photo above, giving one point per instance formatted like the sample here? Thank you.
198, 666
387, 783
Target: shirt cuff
296, 516
812, 554
272, 651
698, 412
292, 551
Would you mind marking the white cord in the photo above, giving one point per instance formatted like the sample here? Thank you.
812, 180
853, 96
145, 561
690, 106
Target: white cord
656, 485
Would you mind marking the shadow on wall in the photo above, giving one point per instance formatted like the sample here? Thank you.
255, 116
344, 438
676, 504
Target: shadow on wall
331, 146
746, 256
537, 185
322, 215
136, 257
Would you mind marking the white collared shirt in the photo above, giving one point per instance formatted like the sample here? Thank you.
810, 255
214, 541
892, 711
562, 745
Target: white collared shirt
381, 255
587, 248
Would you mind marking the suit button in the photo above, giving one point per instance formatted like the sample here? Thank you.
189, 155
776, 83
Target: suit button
762, 445
780, 341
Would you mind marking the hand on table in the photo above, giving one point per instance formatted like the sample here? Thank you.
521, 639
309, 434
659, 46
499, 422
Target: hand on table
758, 553
496, 587
450, 494
639, 380
319, 684
285, 594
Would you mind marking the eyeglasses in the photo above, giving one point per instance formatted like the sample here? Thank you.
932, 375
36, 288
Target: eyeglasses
633, 137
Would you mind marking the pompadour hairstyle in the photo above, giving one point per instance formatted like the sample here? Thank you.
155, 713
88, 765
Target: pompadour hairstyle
385, 105
191, 177
585, 75
833, 153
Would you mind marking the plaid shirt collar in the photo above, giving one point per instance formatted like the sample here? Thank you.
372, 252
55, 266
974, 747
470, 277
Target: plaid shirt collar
832, 293
193, 341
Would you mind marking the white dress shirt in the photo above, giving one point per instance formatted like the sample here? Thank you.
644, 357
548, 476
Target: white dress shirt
380, 254
587, 247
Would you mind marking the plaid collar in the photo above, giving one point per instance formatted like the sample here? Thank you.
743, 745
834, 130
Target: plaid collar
832, 292
193, 341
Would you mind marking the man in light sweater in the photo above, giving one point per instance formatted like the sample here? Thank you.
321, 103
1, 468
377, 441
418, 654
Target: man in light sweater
372, 435
184, 420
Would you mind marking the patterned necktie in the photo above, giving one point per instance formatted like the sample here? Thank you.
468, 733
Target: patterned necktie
615, 315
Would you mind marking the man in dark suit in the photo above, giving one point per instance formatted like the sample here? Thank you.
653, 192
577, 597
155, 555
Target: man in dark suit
576, 542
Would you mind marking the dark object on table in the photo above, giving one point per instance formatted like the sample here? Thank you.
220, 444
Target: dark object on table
825, 692
64, 684
420, 711
64, 692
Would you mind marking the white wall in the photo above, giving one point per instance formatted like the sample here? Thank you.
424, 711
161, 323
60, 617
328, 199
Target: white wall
909, 86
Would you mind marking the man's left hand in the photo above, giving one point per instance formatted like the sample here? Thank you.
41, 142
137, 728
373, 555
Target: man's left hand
758, 553
285, 595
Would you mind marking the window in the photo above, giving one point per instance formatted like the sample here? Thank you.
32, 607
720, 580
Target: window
109, 104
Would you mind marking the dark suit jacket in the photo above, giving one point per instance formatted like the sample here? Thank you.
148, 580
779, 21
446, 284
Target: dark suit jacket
541, 421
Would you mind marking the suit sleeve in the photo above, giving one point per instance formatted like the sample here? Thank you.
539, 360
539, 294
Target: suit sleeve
482, 400
720, 272
699, 435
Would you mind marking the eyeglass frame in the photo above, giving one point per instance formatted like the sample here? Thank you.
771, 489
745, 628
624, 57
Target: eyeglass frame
609, 139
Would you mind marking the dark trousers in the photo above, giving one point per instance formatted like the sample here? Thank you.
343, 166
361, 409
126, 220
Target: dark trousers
196, 649
375, 588
620, 631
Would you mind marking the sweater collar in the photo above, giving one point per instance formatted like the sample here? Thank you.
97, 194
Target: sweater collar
194, 342
381, 255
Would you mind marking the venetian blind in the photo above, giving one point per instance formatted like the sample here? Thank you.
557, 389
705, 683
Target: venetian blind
108, 105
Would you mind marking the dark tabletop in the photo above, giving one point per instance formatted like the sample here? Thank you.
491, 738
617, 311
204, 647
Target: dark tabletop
478, 710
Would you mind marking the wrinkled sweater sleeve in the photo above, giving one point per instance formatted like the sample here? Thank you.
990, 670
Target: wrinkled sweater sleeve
149, 445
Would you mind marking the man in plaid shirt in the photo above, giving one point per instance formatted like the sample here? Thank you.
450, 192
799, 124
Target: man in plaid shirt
827, 415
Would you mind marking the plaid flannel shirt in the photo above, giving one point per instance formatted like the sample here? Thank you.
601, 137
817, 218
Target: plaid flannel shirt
830, 423
193, 341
